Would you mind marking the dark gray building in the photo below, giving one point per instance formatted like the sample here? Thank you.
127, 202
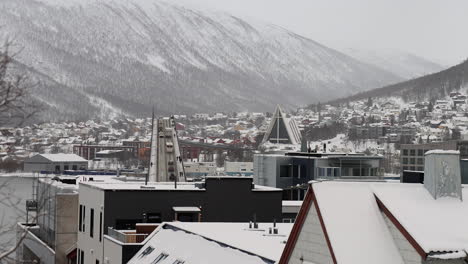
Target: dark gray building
292, 171
120, 205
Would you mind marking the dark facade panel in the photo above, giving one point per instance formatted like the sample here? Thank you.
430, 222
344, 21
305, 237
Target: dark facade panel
224, 200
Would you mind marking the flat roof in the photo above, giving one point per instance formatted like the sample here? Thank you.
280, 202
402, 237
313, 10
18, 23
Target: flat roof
136, 186
115, 184
188, 209
292, 203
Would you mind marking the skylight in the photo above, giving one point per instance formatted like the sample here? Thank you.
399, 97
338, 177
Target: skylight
147, 251
160, 258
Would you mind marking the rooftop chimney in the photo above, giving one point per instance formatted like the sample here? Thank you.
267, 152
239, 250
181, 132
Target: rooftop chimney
442, 173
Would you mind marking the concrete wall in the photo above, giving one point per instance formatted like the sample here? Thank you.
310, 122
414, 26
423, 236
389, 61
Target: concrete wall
112, 251
311, 245
265, 170
117, 253
238, 168
442, 174
66, 226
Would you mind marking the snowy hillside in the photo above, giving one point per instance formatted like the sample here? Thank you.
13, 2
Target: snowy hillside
429, 87
403, 64
104, 58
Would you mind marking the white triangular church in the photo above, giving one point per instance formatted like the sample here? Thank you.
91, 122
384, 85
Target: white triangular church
282, 130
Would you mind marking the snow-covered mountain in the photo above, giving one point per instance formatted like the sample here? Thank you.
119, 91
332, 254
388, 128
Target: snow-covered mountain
101, 58
426, 88
403, 64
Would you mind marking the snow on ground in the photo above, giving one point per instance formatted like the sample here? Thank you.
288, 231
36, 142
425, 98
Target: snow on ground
158, 62
108, 111
340, 143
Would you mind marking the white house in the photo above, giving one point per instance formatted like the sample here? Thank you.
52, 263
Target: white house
55, 163
385, 223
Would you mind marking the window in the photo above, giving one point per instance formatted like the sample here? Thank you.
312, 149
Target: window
420, 152
160, 258
405, 167
153, 218
405, 152
80, 220
74, 167
82, 256
285, 171
412, 161
84, 218
296, 171
97, 261
65, 167
78, 256
412, 152
405, 160
420, 168
147, 251
420, 161
412, 168
100, 226
91, 223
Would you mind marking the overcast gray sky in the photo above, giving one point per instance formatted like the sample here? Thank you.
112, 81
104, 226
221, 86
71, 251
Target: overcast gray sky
434, 29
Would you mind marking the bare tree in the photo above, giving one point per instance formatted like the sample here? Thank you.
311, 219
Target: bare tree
15, 202
16, 105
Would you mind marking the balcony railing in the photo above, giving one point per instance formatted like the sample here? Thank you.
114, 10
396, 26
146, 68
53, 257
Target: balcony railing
126, 236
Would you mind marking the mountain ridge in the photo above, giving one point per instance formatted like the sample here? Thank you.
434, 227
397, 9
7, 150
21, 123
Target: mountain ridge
428, 87
135, 55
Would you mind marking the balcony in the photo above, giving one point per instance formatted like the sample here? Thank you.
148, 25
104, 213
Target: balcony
138, 235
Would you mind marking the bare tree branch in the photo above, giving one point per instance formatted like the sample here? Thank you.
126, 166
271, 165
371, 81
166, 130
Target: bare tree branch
16, 103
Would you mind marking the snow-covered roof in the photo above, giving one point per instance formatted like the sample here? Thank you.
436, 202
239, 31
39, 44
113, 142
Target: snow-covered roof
151, 186
444, 152
226, 243
61, 157
436, 224
353, 218
291, 203
354, 224
185, 209
155, 186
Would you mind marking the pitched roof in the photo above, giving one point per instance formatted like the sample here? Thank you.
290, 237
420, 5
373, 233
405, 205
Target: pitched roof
282, 129
352, 217
353, 221
226, 243
436, 224
62, 157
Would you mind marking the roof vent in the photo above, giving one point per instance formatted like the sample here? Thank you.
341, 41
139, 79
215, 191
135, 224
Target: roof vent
442, 173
